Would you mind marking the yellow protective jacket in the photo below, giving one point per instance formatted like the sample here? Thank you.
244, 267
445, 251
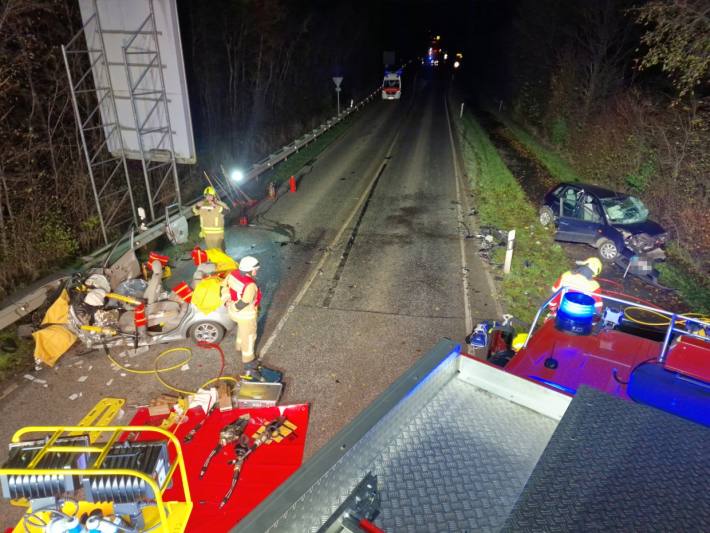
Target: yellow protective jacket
211, 217
574, 280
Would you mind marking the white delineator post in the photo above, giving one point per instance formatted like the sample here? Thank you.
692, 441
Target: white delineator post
461, 112
509, 252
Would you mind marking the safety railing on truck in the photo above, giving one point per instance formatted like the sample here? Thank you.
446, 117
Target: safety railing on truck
677, 323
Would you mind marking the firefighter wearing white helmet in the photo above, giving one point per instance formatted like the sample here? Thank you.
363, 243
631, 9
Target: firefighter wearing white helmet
242, 297
211, 213
581, 278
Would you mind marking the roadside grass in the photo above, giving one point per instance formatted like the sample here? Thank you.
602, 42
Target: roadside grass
297, 161
502, 203
679, 271
551, 160
16, 355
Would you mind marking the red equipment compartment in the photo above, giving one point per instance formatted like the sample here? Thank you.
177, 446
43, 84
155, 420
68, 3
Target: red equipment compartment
690, 356
590, 360
263, 471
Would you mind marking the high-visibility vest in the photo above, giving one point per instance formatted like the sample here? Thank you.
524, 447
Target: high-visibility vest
199, 256
184, 291
574, 280
152, 256
211, 219
242, 281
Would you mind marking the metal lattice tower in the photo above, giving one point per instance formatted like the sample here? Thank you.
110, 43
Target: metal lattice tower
89, 73
158, 162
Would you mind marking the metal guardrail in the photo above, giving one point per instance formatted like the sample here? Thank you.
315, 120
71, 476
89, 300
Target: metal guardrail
674, 319
286, 151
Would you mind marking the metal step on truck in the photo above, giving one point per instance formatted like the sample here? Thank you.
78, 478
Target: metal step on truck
460, 444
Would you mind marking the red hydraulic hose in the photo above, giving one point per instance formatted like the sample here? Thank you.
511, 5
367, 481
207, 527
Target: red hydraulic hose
630, 297
611, 282
213, 346
369, 527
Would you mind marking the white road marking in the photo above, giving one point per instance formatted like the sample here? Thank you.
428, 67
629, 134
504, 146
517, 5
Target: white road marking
459, 215
326, 254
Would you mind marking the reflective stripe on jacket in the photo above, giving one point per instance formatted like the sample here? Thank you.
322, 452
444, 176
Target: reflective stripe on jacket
211, 218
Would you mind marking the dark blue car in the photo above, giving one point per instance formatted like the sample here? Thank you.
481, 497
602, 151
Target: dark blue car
612, 222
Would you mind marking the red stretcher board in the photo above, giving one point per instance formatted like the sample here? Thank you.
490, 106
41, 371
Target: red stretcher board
264, 470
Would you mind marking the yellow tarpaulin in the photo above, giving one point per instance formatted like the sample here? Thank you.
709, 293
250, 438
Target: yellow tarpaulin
223, 262
53, 340
206, 296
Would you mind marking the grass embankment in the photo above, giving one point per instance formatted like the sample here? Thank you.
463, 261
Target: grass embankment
679, 271
551, 160
301, 158
502, 203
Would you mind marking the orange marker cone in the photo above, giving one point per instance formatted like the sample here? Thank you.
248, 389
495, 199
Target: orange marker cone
243, 221
292, 184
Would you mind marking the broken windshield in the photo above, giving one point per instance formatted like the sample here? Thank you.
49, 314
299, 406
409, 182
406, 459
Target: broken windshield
625, 210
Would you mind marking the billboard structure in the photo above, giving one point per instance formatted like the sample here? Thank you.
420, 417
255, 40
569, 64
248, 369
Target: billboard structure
138, 104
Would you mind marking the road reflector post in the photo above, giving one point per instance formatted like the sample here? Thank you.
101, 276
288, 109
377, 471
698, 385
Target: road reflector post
461, 112
509, 252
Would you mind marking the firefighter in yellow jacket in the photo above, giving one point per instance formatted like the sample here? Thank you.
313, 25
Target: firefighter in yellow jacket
242, 297
582, 278
211, 213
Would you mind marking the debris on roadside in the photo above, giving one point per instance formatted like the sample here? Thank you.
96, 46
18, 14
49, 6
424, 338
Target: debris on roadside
489, 239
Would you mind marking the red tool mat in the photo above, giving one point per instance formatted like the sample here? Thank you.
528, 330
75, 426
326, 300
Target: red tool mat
264, 470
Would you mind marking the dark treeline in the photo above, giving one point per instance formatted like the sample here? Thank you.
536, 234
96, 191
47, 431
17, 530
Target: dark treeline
619, 87
260, 70
259, 75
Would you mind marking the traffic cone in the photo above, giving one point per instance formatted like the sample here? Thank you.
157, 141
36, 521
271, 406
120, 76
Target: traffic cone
292, 184
243, 221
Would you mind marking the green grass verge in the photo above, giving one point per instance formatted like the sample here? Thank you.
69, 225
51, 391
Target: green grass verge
297, 161
551, 160
679, 271
502, 203
16, 355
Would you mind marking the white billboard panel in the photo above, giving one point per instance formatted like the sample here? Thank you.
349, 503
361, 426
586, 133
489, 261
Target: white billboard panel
126, 23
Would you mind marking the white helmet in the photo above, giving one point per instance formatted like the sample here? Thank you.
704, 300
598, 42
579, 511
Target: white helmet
248, 263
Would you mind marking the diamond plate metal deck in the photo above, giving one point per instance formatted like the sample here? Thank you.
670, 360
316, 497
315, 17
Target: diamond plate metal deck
460, 464
614, 465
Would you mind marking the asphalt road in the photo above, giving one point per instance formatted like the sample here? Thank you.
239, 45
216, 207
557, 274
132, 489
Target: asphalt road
364, 269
